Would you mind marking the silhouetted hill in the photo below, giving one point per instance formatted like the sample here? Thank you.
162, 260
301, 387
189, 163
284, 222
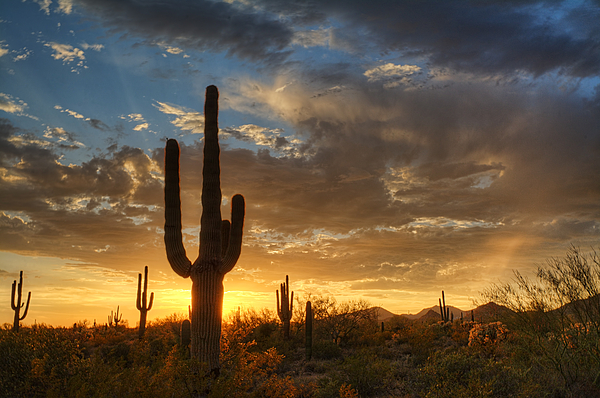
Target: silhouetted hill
489, 312
590, 305
429, 316
436, 310
383, 314
484, 313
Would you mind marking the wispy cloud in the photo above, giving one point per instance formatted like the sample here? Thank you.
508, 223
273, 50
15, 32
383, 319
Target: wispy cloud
66, 53
62, 136
186, 119
9, 105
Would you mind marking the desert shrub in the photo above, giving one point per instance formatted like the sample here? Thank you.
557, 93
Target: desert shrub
488, 337
425, 339
363, 373
459, 373
557, 318
38, 361
326, 350
367, 373
17, 352
253, 374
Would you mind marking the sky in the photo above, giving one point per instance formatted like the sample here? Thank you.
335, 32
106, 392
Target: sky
387, 150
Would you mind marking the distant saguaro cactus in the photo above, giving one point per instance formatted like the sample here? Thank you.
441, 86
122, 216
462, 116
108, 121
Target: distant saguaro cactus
114, 318
308, 330
284, 311
17, 305
220, 241
142, 301
444, 311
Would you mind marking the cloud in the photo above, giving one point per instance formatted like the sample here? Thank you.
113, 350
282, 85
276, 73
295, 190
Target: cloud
170, 49
312, 38
468, 155
7, 104
136, 117
44, 5
233, 28
3, 48
140, 127
392, 75
25, 53
495, 38
390, 70
115, 194
95, 47
65, 6
490, 38
261, 136
65, 52
186, 119
95, 123
62, 136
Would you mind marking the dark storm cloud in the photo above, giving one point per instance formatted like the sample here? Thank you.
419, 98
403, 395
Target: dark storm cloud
480, 37
475, 37
229, 28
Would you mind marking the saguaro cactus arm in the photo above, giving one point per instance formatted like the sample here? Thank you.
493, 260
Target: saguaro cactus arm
232, 246
173, 236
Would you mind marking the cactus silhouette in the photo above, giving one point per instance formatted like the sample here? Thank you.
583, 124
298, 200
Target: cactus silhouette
220, 241
284, 311
308, 330
142, 303
17, 305
114, 318
444, 311
185, 336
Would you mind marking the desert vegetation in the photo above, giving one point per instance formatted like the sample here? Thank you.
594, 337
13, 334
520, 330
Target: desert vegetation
540, 340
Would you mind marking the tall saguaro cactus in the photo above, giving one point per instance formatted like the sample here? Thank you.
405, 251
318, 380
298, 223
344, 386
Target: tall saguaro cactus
142, 303
17, 305
284, 311
220, 241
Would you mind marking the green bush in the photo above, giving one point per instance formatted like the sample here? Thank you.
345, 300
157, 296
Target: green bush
326, 350
461, 373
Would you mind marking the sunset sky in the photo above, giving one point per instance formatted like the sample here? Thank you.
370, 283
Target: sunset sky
387, 150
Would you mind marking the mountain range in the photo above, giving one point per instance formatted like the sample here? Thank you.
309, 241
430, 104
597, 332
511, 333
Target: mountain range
483, 312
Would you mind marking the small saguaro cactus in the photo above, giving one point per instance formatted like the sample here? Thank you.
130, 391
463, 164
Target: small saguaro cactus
114, 318
444, 311
185, 336
142, 301
17, 292
284, 311
220, 241
308, 330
